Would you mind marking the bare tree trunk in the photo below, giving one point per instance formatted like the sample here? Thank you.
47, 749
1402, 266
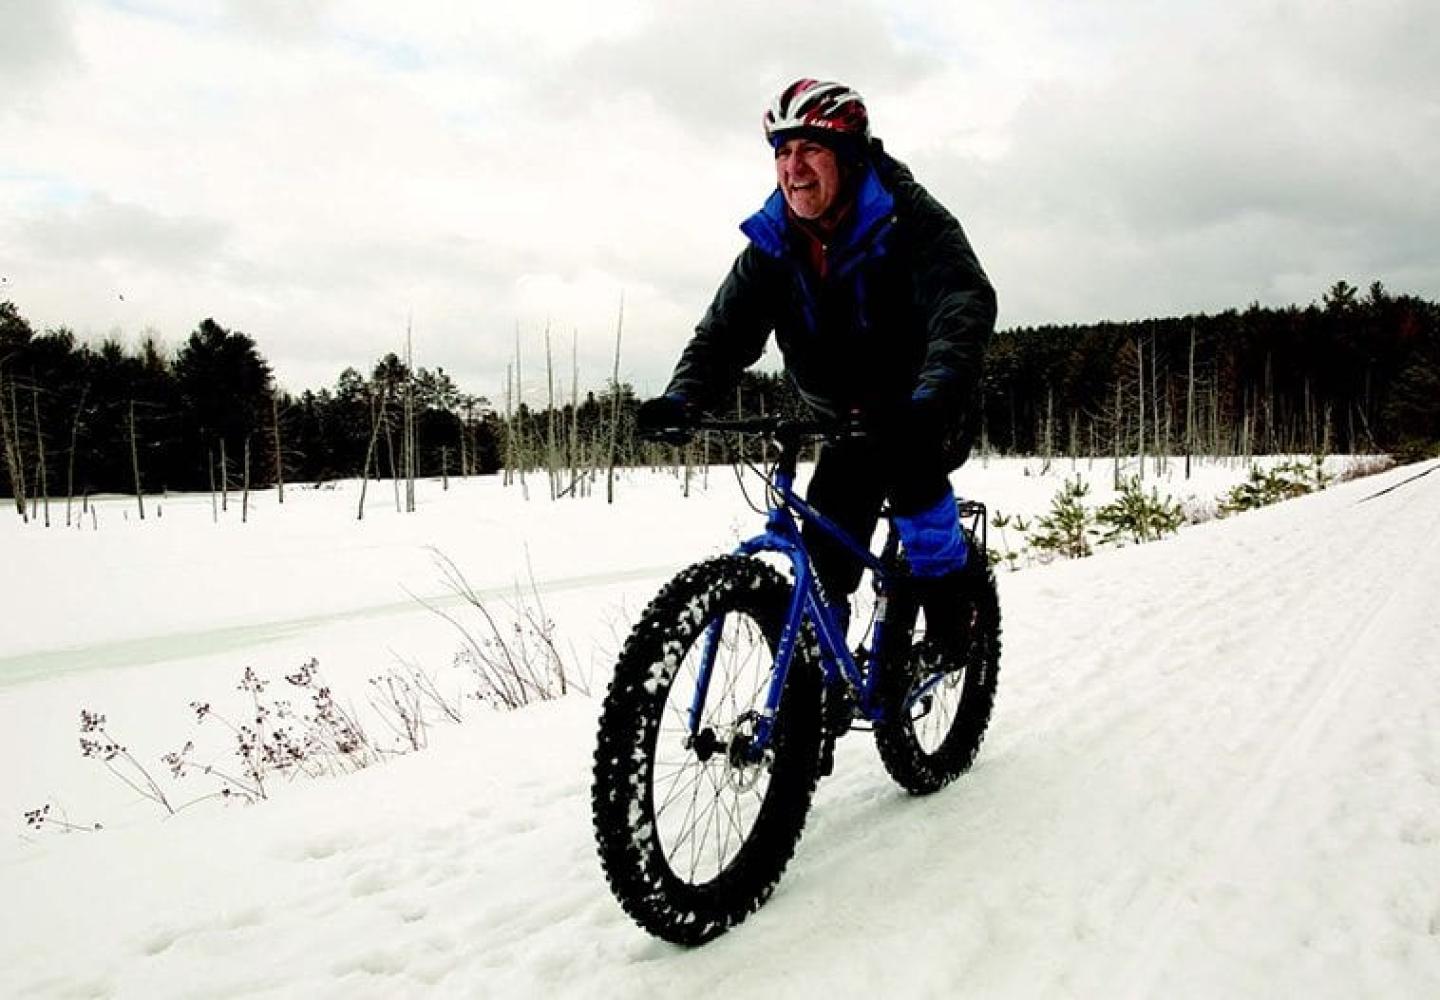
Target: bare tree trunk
1311, 427
574, 447
42, 475
1190, 404
465, 445
135, 463
1119, 422
1140, 386
210, 469
740, 413
552, 460
1215, 416
1268, 442
522, 446
508, 478
614, 406
224, 478
1049, 425
409, 422
1157, 414
279, 463
14, 461
245, 497
377, 414
17, 494
74, 443
394, 467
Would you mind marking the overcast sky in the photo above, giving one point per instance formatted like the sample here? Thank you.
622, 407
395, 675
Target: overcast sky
316, 173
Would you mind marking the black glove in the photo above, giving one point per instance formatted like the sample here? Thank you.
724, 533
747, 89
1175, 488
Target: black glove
935, 423
921, 419
926, 415
666, 419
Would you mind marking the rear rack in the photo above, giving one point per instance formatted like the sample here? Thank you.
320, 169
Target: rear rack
976, 521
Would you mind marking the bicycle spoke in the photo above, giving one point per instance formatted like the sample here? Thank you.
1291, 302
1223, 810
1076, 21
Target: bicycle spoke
678, 789
721, 800
687, 825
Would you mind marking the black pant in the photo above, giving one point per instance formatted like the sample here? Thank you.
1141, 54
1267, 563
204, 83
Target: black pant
854, 476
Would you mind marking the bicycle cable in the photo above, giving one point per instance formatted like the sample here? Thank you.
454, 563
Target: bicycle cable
740, 480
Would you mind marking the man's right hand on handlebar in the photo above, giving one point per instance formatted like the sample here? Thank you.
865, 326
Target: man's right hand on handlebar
667, 419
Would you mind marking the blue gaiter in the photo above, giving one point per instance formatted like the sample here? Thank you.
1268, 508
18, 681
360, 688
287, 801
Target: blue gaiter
933, 541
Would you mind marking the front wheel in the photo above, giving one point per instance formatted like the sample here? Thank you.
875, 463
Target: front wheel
694, 827
938, 696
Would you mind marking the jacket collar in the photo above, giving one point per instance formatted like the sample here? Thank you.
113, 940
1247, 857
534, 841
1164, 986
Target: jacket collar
770, 228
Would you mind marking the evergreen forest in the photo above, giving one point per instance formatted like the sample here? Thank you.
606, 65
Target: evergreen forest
1356, 372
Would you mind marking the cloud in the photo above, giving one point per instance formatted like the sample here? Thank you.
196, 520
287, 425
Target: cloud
102, 229
317, 173
36, 42
279, 20
1265, 157
714, 75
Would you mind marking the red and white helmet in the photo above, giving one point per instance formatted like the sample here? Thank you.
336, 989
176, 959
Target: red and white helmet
819, 105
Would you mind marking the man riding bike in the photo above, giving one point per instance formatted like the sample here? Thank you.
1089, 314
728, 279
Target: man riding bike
882, 313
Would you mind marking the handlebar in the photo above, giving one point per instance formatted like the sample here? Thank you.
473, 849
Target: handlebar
784, 428
787, 433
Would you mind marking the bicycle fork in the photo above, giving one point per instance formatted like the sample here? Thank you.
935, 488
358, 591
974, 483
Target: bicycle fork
839, 666
758, 742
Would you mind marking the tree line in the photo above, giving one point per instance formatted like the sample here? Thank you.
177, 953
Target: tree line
78, 419
1356, 372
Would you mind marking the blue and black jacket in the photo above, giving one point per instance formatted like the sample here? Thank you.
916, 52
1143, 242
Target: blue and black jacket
904, 309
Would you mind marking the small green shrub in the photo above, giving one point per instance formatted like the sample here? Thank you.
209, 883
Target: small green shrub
1137, 516
1282, 482
1006, 553
1070, 525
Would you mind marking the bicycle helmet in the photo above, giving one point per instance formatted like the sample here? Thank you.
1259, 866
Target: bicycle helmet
823, 109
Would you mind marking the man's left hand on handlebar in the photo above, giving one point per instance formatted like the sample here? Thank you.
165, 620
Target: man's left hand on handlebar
666, 419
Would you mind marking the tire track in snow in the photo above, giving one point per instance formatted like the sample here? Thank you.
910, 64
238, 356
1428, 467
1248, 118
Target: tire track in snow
1139, 633
26, 667
1324, 698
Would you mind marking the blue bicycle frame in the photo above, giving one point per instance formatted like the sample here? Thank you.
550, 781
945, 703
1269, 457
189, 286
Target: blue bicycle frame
782, 536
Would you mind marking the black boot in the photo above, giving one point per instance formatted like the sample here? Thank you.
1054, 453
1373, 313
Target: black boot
950, 608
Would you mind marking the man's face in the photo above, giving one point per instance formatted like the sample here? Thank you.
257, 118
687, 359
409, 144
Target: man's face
809, 177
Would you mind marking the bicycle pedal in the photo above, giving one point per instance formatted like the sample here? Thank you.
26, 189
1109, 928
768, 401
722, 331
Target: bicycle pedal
827, 757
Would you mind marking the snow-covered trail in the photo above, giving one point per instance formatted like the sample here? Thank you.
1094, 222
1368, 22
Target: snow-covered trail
1214, 770
152, 650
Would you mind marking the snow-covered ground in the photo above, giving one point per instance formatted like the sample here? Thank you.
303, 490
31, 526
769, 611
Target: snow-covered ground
1213, 770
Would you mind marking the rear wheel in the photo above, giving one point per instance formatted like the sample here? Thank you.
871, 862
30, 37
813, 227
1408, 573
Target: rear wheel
938, 696
694, 828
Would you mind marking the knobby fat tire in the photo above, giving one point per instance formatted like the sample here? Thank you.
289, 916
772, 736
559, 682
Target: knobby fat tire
915, 769
644, 881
